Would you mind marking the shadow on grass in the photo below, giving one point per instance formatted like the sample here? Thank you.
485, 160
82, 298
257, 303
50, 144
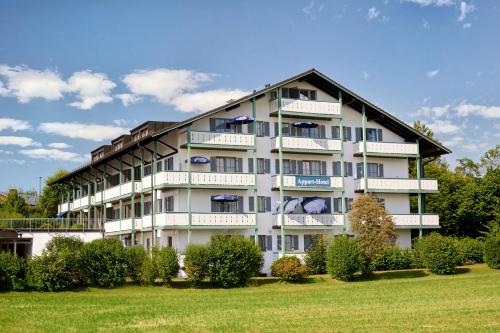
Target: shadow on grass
462, 270
391, 275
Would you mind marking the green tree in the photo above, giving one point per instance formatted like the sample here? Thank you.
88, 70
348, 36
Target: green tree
468, 167
14, 206
51, 194
491, 159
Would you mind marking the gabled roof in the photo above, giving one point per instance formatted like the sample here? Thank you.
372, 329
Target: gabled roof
428, 147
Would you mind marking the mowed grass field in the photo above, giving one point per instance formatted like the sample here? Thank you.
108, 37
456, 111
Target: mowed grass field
393, 301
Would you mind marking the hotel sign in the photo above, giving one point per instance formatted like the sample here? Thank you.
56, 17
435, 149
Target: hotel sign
312, 181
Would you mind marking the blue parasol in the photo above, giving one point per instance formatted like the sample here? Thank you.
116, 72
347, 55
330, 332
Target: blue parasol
224, 198
61, 215
241, 120
305, 124
199, 160
314, 205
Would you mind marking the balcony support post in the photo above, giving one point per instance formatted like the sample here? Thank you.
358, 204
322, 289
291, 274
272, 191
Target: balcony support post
104, 186
80, 187
365, 160
419, 177
95, 193
342, 167
89, 187
190, 217
142, 197
254, 126
132, 199
120, 180
153, 202
280, 151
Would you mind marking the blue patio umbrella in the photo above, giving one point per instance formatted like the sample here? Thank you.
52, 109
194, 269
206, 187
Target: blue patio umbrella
224, 198
314, 205
62, 215
290, 206
241, 120
305, 124
199, 160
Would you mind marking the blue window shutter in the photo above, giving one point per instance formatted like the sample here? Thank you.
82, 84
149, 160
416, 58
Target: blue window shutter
277, 166
359, 170
348, 169
269, 243
379, 134
239, 165
322, 133
268, 204
293, 167
293, 131
267, 165
381, 170
336, 205
328, 202
323, 168
212, 125
347, 134
295, 242
250, 128
250, 165
336, 169
240, 204
358, 134
299, 168
279, 242
214, 207
213, 164
250, 204
335, 132
266, 129
276, 131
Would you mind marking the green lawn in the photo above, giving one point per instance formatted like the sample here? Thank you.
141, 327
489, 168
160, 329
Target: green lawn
393, 301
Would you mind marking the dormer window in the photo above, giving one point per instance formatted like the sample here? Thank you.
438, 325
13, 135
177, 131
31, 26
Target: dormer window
118, 146
295, 93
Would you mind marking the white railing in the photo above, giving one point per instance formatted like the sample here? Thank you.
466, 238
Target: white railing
311, 220
306, 107
391, 148
305, 181
112, 226
63, 207
202, 219
116, 192
397, 184
414, 220
222, 139
200, 178
122, 225
298, 143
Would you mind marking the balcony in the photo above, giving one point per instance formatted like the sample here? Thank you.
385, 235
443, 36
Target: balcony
412, 221
66, 206
116, 192
308, 183
220, 140
201, 220
387, 149
303, 145
80, 203
121, 225
399, 185
309, 109
180, 179
317, 221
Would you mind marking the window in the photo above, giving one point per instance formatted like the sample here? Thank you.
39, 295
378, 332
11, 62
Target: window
166, 204
308, 241
263, 204
226, 164
312, 168
262, 128
381, 201
372, 134
224, 125
147, 208
337, 208
228, 207
347, 169
375, 170
291, 242
295, 93
263, 165
137, 136
265, 242
147, 170
336, 133
289, 167
307, 95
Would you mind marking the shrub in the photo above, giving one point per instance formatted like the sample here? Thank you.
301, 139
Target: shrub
12, 272
344, 258
316, 255
289, 269
148, 271
196, 262
393, 258
167, 263
58, 267
233, 260
135, 256
77, 226
438, 253
470, 251
104, 262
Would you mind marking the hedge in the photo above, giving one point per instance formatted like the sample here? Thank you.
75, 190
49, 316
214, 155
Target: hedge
344, 258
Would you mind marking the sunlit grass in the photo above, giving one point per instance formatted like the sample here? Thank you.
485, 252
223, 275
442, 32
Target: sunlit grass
392, 301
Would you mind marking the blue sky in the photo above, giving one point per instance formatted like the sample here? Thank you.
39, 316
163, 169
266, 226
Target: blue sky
74, 74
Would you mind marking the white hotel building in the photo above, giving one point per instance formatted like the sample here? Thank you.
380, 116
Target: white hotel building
228, 170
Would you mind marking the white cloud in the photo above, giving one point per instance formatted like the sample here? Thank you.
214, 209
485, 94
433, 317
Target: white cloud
465, 9
90, 132
52, 154
432, 73
465, 109
443, 127
6, 152
454, 141
426, 25
26, 84
434, 111
22, 141
437, 3
91, 89
128, 99
13, 124
466, 25
59, 145
312, 11
13, 160
365, 75
120, 122
178, 88
206, 100
372, 14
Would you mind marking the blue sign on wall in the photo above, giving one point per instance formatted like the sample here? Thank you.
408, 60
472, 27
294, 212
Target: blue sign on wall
312, 181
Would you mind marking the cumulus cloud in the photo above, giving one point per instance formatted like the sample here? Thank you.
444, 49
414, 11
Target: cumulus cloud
13, 160
22, 141
52, 154
444, 127
128, 99
454, 141
178, 88
76, 130
312, 11
13, 124
465, 9
59, 145
26, 84
372, 14
432, 73
437, 3
465, 109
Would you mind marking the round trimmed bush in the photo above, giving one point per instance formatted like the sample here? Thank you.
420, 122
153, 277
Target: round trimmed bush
492, 251
196, 261
316, 255
289, 269
438, 253
167, 263
12, 272
233, 260
148, 271
104, 262
135, 256
58, 267
344, 258
393, 258
470, 251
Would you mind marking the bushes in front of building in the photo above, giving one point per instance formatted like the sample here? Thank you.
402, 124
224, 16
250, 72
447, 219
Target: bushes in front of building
58, 267
438, 253
344, 258
470, 251
289, 269
104, 262
135, 257
167, 263
393, 258
196, 261
233, 260
316, 255
12, 272
492, 247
